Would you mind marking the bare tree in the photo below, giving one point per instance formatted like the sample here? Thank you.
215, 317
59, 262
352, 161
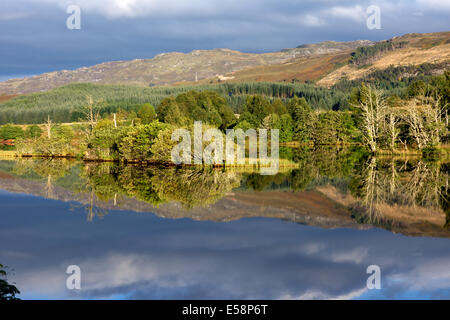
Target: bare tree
48, 127
91, 112
424, 115
391, 127
374, 108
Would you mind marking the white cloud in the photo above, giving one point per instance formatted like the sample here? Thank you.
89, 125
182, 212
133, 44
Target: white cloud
312, 21
355, 13
320, 17
435, 5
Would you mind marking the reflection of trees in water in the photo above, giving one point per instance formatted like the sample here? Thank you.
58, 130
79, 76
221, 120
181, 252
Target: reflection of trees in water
371, 185
111, 182
445, 195
445, 204
422, 186
376, 183
419, 183
51, 170
93, 209
315, 167
370, 191
46, 169
410, 183
380, 186
100, 183
194, 187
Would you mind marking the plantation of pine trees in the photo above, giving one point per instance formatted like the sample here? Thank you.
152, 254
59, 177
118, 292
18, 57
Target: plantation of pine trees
66, 104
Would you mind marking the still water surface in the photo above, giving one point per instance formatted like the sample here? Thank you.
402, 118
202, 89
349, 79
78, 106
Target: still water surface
158, 233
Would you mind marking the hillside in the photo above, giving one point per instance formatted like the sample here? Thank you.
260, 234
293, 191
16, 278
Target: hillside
365, 62
325, 63
409, 50
391, 65
170, 68
304, 69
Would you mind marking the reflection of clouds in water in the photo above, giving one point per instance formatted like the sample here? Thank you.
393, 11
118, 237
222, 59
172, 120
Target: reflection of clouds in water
434, 274
141, 276
131, 255
317, 295
356, 255
168, 276
312, 248
212, 275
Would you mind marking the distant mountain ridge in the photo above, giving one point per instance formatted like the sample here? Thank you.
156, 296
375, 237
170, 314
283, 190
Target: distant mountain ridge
174, 67
324, 63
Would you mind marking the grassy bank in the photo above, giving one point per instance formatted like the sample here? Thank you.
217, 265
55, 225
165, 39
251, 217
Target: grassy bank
282, 164
8, 154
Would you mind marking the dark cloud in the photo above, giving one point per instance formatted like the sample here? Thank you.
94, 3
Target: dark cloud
35, 39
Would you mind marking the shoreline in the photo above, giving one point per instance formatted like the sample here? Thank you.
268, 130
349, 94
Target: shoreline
284, 164
444, 153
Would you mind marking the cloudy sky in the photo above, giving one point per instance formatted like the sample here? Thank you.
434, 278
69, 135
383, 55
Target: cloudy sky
34, 37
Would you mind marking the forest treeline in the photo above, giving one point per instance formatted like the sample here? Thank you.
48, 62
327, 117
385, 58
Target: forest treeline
66, 104
375, 120
396, 80
367, 55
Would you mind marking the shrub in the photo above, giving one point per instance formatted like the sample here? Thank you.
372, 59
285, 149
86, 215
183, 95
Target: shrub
9, 131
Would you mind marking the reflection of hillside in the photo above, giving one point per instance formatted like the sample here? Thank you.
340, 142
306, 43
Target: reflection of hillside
409, 197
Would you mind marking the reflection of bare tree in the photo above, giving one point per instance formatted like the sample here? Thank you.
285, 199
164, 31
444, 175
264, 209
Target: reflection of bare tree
423, 188
371, 189
92, 205
445, 203
101, 186
393, 185
48, 170
94, 210
51, 170
389, 189
49, 187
